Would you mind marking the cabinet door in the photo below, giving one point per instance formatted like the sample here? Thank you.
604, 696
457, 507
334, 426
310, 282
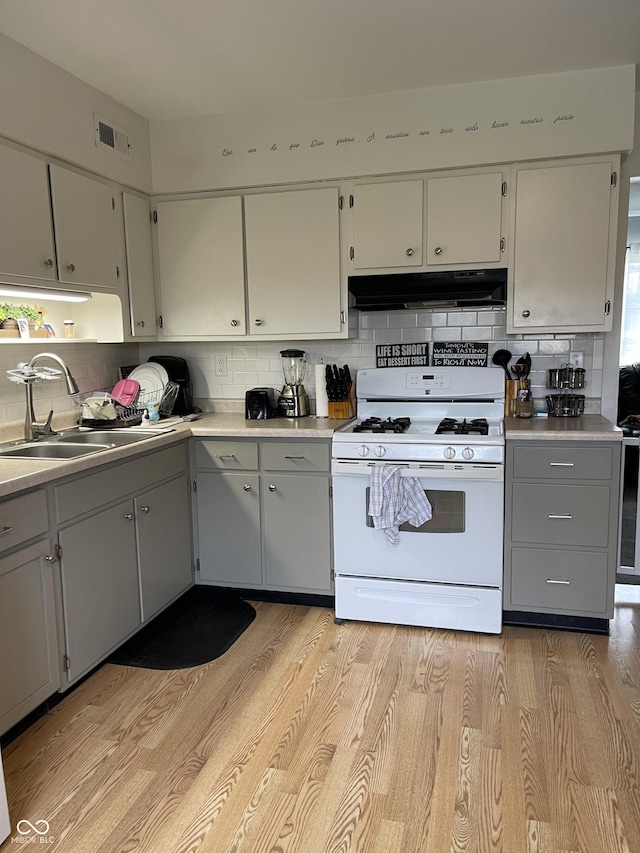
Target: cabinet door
164, 551
228, 512
293, 262
563, 249
200, 250
139, 251
100, 590
387, 225
85, 225
297, 531
464, 219
26, 233
29, 670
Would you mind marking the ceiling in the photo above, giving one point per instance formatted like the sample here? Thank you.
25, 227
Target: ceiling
168, 59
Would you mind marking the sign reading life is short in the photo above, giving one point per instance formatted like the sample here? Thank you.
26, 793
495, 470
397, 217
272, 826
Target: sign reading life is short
460, 354
402, 355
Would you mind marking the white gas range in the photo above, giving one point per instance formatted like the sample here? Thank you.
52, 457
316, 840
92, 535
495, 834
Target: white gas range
443, 429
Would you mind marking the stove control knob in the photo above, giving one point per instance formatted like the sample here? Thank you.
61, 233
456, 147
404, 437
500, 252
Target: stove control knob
380, 450
363, 450
449, 452
467, 453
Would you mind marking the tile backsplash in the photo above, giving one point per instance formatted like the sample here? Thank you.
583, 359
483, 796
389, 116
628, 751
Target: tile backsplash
258, 364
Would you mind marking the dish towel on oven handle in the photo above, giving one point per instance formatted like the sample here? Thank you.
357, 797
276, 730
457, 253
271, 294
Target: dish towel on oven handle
394, 499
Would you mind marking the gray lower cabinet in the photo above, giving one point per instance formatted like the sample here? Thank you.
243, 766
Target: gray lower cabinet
263, 512
561, 527
29, 666
124, 537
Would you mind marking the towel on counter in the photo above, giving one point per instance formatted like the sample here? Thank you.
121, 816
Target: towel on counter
395, 499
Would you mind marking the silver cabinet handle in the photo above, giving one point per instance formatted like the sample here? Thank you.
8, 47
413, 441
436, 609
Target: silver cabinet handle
140, 323
295, 457
258, 322
50, 558
272, 488
5, 530
128, 516
48, 263
437, 250
225, 456
234, 323
558, 581
71, 267
145, 508
562, 464
247, 487
526, 313
409, 252
560, 516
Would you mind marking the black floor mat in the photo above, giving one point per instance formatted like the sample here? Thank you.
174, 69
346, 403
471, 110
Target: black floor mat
197, 628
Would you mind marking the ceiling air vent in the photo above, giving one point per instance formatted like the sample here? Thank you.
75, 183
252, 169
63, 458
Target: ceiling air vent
112, 138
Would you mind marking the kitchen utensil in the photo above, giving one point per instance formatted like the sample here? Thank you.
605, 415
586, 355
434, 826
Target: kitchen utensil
126, 391
502, 357
169, 396
522, 367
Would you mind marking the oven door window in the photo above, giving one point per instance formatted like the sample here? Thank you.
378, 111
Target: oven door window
448, 513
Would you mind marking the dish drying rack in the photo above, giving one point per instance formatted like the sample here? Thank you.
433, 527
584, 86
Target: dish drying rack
128, 415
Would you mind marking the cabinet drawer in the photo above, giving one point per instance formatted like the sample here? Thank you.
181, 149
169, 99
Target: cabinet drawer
22, 518
561, 515
87, 493
568, 463
227, 455
559, 580
295, 456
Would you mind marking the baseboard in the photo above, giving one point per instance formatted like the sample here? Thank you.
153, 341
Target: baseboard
305, 599
585, 624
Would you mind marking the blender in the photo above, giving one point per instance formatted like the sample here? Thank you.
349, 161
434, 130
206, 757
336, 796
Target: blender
293, 401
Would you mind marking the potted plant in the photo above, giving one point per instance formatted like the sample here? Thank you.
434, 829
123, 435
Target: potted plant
9, 315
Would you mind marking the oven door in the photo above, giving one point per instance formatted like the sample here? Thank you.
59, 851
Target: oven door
461, 544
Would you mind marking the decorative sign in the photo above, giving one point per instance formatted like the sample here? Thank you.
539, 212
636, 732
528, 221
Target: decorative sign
460, 354
402, 355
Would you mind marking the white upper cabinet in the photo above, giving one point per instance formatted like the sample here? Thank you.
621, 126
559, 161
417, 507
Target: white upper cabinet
201, 266
464, 219
561, 267
387, 225
139, 253
26, 232
293, 262
85, 226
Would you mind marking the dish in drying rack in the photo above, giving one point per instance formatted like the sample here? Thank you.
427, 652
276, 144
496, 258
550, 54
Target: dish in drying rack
152, 379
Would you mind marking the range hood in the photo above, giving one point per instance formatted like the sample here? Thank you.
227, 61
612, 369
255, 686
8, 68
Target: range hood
457, 288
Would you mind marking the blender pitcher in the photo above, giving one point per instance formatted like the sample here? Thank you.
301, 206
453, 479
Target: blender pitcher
293, 401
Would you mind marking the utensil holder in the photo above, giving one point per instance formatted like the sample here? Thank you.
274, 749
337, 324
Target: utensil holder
510, 397
565, 405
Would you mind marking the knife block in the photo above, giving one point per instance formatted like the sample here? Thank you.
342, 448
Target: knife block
345, 409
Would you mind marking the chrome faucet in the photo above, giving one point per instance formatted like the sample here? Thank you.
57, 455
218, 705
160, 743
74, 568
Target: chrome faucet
32, 429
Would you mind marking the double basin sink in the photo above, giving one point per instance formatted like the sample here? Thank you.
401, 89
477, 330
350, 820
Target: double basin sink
76, 442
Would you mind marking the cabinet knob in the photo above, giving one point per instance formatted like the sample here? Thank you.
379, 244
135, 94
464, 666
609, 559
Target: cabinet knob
247, 487
145, 508
437, 250
71, 267
48, 263
272, 488
140, 323
128, 516
234, 323
526, 313
50, 558
258, 322
409, 252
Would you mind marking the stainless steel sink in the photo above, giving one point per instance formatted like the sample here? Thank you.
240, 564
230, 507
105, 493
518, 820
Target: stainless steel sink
50, 450
76, 442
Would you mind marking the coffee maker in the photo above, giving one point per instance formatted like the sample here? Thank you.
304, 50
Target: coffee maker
293, 401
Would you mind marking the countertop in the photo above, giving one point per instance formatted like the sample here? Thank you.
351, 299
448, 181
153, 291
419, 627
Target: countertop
19, 474
583, 428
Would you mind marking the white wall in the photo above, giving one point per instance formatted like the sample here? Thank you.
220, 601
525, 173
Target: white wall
525, 118
50, 110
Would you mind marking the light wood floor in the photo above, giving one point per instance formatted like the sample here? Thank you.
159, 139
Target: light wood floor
307, 737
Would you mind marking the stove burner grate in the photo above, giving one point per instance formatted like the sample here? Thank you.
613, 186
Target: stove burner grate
377, 425
476, 426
